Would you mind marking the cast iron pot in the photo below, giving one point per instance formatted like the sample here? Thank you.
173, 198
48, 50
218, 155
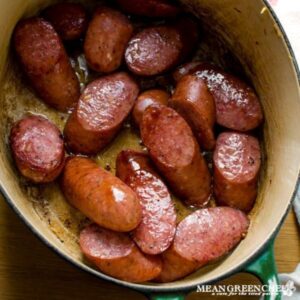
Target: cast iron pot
252, 32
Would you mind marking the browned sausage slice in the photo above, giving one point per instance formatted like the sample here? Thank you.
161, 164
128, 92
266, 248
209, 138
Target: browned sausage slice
154, 50
184, 70
174, 266
237, 105
187, 26
147, 98
38, 149
156, 231
149, 8
115, 254
203, 237
46, 63
102, 107
237, 160
106, 39
68, 19
193, 101
99, 195
176, 154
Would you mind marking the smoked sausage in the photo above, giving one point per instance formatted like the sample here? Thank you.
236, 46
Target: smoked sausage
68, 19
185, 69
38, 149
147, 98
99, 195
193, 101
107, 36
149, 8
102, 107
154, 50
176, 154
115, 254
187, 26
203, 237
237, 105
236, 162
46, 64
156, 231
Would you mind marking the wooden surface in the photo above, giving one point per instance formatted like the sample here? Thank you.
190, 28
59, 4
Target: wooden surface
30, 271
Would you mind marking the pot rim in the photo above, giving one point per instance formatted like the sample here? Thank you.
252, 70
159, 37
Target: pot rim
185, 286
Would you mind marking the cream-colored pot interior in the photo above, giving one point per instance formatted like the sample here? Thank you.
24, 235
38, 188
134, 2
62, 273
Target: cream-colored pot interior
251, 33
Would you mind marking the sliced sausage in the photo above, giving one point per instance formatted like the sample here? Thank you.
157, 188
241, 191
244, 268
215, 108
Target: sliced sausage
203, 237
102, 107
68, 19
149, 8
187, 26
38, 149
193, 101
236, 161
174, 266
147, 98
46, 63
184, 70
156, 231
115, 254
99, 195
108, 34
154, 50
237, 105
176, 154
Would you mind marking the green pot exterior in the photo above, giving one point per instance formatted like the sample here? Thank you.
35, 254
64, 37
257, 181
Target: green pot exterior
264, 267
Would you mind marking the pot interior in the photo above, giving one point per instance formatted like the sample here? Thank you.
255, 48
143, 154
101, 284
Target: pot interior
249, 31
